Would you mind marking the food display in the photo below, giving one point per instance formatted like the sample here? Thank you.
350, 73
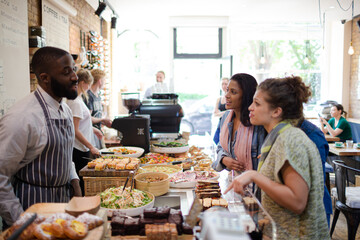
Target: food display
100, 164
125, 151
170, 147
116, 198
208, 189
170, 144
163, 217
155, 182
189, 179
155, 158
168, 169
56, 226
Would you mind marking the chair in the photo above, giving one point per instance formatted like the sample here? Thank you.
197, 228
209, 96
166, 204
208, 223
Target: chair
349, 207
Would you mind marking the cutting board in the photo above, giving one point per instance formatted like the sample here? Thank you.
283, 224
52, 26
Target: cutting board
47, 209
91, 172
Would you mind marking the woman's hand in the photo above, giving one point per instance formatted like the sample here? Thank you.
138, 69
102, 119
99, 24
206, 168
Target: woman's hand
94, 151
107, 122
241, 181
98, 133
323, 121
233, 164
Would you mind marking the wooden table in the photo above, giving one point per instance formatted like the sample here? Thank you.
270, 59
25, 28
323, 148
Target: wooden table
330, 138
345, 151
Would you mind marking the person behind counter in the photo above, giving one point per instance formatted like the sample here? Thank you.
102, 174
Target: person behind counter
93, 102
337, 126
159, 86
290, 174
37, 137
240, 142
84, 130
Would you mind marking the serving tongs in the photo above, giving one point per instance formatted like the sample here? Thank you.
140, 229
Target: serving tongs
16, 234
131, 174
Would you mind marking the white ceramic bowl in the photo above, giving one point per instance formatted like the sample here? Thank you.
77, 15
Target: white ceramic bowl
170, 149
139, 151
134, 211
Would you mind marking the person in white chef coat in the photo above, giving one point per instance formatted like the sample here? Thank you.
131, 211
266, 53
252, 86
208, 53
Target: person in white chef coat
37, 138
159, 87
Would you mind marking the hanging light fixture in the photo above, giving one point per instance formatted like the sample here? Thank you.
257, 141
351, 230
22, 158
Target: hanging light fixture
307, 48
351, 50
262, 58
100, 9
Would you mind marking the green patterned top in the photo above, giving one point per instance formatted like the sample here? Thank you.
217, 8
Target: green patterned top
301, 153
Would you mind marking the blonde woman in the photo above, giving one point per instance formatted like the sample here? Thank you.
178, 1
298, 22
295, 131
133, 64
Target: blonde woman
84, 131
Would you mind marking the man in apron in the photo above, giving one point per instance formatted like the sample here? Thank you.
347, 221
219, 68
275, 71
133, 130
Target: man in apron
37, 137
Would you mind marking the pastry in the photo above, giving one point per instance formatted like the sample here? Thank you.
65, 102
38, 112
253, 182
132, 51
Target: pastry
120, 166
92, 221
74, 229
56, 228
43, 231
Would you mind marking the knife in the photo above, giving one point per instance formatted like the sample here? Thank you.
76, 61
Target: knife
107, 152
16, 234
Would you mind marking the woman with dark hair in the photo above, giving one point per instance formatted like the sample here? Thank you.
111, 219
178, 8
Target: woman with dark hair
240, 142
289, 173
337, 126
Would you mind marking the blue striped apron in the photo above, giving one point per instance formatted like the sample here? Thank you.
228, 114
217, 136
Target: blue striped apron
46, 179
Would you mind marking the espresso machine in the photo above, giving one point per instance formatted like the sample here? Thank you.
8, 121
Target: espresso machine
165, 115
133, 129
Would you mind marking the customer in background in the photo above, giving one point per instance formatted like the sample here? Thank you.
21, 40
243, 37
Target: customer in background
37, 137
220, 108
84, 130
290, 174
93, 102
220, 102
159, 86
240, 142
337, 126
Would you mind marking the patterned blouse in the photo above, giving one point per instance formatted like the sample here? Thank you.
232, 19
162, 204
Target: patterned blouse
301, 153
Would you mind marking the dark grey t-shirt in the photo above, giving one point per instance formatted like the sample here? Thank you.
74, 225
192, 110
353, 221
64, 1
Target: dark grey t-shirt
94, 104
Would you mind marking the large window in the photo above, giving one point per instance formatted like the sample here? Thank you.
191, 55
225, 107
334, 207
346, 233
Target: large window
197, 42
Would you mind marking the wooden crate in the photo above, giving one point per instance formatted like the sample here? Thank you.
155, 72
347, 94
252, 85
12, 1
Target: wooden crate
96, 185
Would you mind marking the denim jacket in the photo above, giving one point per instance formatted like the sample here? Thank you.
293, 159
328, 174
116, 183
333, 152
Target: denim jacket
259, 135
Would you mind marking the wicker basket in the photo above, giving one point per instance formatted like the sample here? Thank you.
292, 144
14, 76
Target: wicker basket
156, 188
96, 185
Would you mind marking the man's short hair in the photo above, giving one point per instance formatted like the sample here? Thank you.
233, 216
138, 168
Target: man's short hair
97, 74
163, 73
44, 57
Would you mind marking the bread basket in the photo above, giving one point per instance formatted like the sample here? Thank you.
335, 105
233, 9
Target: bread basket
157, 187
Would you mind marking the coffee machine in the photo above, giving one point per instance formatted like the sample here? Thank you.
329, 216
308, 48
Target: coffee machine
133, 129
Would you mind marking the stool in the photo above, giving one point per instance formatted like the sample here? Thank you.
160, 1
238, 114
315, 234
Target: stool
328, 169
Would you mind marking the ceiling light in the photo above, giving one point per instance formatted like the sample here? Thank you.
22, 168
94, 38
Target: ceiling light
331, 7
351, 50
100, 9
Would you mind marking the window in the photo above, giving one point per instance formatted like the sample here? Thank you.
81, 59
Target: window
197, 42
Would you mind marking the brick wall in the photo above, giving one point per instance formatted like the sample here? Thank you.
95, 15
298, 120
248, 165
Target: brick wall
85, 20
354, 103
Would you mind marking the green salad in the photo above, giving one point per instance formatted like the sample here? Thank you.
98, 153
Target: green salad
116, 198
171, 144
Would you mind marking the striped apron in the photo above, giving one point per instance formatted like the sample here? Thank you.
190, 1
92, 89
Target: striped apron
46, 179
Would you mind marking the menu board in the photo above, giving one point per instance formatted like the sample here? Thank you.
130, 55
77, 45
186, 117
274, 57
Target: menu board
56, 24
14, 53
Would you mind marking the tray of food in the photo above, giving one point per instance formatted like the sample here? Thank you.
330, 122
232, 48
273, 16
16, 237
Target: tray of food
156, 158
168, 169
110, 167
154, 223
52, 222
189, 179
124, 151
128, 202
170, 147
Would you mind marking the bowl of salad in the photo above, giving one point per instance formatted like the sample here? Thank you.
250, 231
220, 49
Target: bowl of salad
130, 203
170, 147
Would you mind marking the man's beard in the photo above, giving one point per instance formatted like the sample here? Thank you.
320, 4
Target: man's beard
61, 90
